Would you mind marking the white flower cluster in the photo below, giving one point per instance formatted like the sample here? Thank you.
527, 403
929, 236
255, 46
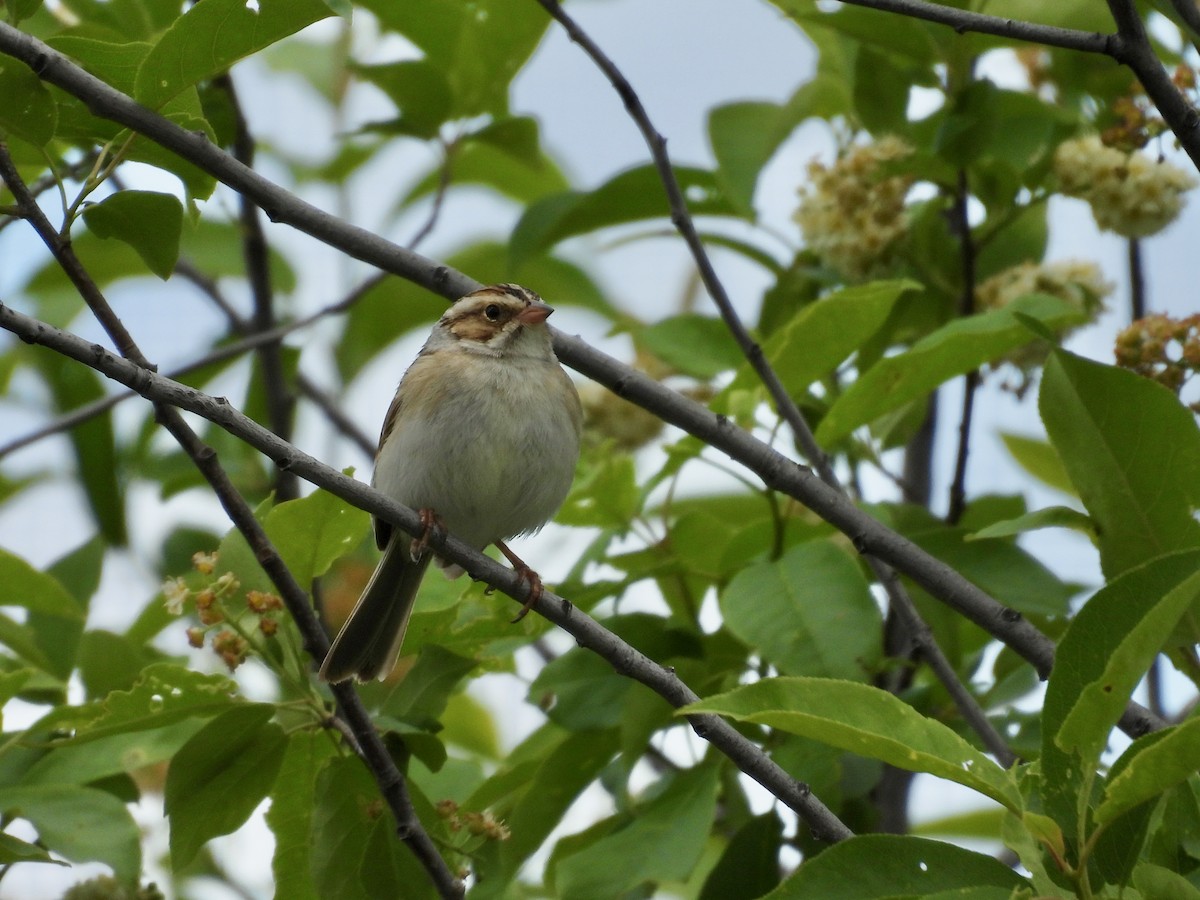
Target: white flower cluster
1077, 282
852, 216
1129, 193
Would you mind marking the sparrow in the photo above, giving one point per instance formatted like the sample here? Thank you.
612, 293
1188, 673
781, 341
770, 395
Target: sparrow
482, 439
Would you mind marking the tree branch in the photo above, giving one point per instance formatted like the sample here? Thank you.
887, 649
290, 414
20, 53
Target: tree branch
1137, 281
962, 20
682, 219
280, 402
776, 471
626, 660
229, 351
391, 783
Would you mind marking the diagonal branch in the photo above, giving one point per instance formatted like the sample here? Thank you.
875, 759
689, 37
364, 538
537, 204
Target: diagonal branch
220, 354
391, 783
625, 659
1129, 46
775, 470
1132, 48
682, 219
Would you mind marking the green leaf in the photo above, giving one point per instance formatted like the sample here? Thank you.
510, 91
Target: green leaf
35, 117
312, 532
954, 349
219, 776
833, 625
54, 614
632, 196
479, 47
213, 247
1155, 881
213, 35
1022, 239
1133, 453
663, 842
14, 850
290, 814
1128, 619
584, 692
821, 335
1010, 574
559, 282
419, 90
1039, 459
1050, 517
22, 9
699, 346
881, 91
1122, 628
749, 866
166, 693
866, 721
969, 126
83, 824
420, 697
115, 63
878, 866
111, 662
504, 155
1156, 762
536, 784
92, 441
353, 848
744, 136
605, 494
86, 761
150, 222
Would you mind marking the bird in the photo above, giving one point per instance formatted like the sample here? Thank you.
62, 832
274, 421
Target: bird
482, 439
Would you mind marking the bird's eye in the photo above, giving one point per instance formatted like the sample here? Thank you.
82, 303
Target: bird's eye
492, 311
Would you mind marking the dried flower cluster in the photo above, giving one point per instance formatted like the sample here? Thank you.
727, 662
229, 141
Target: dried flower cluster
481, 824
216, 612
1161, 348
1130, 193
852, 213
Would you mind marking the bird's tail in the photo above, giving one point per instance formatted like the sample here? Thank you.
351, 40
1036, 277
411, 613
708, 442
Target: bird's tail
369, 643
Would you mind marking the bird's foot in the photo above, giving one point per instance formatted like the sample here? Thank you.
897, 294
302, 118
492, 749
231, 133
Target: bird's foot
526, 574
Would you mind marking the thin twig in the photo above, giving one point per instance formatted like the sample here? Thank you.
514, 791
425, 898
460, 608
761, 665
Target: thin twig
391, 783
625, 659
682, 220
1137, 281
229, 351
776, 471
334, 413
786, 406
966, 307
279, 401
439, 197
53, 180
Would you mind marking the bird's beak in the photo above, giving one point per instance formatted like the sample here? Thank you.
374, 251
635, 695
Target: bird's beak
534, 314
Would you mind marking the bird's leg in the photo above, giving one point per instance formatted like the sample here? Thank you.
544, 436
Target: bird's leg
525, 574
431, 522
